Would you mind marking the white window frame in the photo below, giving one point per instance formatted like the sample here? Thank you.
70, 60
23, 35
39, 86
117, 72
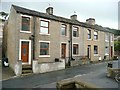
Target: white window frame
74, 26
97, 51
49, 49
65, 29
29, 62
111, 38
106, 37
21, 24
108, 51
78, 49
97, 36
42, 19
90, 34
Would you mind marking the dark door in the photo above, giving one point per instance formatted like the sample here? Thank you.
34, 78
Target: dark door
89, 51
63, 50
25, 51
111, 51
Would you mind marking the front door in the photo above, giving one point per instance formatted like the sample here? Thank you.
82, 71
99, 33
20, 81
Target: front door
88, 51
111, 51
25, 51
63, 50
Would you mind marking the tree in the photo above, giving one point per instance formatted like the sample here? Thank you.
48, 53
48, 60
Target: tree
4, 15
117, 46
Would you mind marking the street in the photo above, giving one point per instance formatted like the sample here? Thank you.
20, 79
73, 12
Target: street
48, 80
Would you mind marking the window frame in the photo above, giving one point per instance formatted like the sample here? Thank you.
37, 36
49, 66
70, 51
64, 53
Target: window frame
89, 33
107, 37
77, 45
106, 51
76, 31
94, 50
48, 48
65, 28
29, 24
96, 35
44, 20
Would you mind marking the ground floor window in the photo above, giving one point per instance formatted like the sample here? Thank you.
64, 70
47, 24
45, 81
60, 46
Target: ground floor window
44, 48
106, 50
75, 49
95, 49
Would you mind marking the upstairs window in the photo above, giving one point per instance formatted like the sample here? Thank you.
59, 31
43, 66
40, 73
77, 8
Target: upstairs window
25, 23
75, 31
44, 48
106, 37
63, 30
44, 27
111, 37
106, 50
95, 35
89, 34
95, 49
75, 49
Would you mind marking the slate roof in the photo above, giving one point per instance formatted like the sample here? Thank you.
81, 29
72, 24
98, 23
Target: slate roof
60, 19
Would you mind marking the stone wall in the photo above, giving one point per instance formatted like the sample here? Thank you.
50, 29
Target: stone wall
47, 67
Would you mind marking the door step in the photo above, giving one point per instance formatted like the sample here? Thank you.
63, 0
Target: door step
26, 69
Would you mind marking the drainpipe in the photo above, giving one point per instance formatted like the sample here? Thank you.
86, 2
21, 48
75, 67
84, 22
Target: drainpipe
70, 45
34, 20
109, 47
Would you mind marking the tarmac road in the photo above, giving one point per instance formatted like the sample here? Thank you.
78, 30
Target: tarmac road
49, 79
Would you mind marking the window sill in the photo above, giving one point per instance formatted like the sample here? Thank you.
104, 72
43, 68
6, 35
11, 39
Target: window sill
63, 35
44, 55
89, 39
95, 40
106, 54
96, 54
75, 55
44, 34
106, 41
25, 31
75, 37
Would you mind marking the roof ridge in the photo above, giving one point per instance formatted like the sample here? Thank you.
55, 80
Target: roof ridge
58, 18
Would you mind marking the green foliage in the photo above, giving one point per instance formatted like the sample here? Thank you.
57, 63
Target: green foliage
117, 45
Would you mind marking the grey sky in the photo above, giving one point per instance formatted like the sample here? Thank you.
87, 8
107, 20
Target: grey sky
104, 11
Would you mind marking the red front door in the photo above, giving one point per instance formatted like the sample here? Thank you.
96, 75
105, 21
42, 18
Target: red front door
25, 51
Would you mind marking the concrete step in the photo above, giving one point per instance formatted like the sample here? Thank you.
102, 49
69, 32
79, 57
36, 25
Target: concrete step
26, 69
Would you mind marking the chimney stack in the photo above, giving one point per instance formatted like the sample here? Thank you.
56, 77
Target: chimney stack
73, 17
90, 21
49, 10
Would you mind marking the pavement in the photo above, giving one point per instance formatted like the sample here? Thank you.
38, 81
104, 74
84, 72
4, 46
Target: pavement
48, 80
6, 73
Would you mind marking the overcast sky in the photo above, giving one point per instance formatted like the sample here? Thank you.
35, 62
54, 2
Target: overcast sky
105, 12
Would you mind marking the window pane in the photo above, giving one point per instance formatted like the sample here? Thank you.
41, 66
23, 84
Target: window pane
44, 23
63, 29
106, 50
75, 32
89, 34
25, 23
95, 50
44, 48
75, 49
43, 30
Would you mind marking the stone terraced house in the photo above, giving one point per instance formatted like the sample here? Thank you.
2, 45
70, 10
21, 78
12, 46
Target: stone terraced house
53, 41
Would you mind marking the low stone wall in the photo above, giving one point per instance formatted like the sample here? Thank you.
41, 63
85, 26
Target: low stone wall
111, 72
73, 83
47, 67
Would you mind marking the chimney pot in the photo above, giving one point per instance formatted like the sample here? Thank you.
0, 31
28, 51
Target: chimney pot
90, 21
49, 10
73, 17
